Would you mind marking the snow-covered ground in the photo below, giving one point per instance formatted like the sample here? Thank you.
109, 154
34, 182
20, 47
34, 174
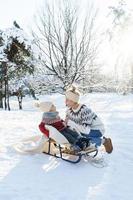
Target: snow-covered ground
40, 177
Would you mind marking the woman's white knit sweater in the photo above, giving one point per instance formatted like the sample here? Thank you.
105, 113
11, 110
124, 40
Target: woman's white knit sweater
83, 120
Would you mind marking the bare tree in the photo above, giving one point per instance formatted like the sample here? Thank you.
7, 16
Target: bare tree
67, 44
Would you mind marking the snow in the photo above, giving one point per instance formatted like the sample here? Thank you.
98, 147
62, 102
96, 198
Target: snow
39, 177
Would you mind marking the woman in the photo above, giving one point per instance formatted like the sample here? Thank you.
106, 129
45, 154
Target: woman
82, 119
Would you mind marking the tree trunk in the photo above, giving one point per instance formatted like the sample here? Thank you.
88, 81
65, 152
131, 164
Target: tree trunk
1, 95
20, 98
5, 95
8, 104
20, 102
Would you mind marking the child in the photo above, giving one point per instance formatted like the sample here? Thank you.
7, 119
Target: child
51, 117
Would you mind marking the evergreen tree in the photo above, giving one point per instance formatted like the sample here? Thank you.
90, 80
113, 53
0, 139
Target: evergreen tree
16, 58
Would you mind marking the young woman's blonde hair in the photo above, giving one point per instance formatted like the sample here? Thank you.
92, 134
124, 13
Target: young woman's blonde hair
72, 93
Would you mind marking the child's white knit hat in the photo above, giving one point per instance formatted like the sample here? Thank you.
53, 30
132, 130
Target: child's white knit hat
44, 106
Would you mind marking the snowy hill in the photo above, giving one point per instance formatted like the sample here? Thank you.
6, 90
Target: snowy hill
41, 177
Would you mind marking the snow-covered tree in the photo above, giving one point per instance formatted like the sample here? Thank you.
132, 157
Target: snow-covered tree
16, 58
68, 42
120, 32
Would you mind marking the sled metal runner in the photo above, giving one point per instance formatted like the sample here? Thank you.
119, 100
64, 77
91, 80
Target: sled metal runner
66, 156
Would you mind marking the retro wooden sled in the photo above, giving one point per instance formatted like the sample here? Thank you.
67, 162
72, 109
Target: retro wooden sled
57, 145
64, 152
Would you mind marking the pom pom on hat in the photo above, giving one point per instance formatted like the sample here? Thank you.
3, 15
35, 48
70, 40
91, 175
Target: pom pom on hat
36, 104
44, 106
